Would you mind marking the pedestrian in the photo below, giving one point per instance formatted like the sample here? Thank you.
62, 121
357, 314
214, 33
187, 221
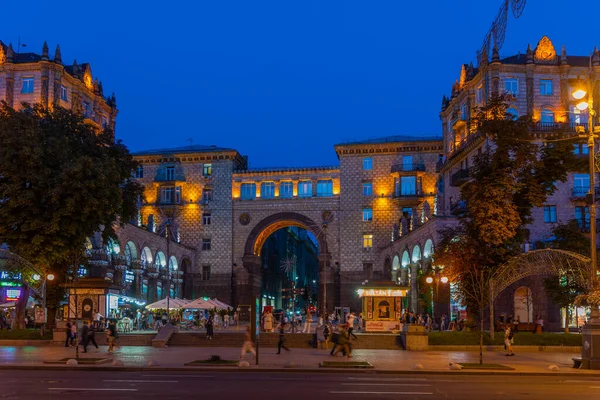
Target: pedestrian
268, 322
111, 335
235, 318
281, 343
326, 334
248, 345
335, 338
209, 327
138, 320
307, 323
508, 340
68, 333
73, 334
350, 322
92, 336
226, 321
320, 331
343, 343
84, 336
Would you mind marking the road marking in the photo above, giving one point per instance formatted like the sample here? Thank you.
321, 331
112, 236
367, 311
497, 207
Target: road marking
385, 384
594, 387
386, 379
405, 393
93, 389
580, 381
138, 381
178, 376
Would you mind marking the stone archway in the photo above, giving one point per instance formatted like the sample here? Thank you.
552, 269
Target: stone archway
249, 280
538, 262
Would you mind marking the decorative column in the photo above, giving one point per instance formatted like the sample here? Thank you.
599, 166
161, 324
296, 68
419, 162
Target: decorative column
327, 298
414, 287
249, 279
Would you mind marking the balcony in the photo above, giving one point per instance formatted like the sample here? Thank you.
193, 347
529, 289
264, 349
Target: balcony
413, 197
580, 192
571, 127
460, 177
408, 168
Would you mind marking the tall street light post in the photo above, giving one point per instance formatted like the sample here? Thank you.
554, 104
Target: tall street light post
590, 351
437, 279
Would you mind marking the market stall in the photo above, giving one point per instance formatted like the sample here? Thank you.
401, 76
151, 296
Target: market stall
382, 306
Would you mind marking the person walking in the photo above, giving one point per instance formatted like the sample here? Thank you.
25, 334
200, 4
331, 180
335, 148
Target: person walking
508, 340
226, 321
248, 345
307, 323
85, 336
350, 322
326, 334
281, 343
343, 343
111, 335
91, 336
138, 320
68, 334
209, 327
73, 334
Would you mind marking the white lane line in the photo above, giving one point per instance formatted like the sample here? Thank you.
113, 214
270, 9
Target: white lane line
594, 387
405, 393
138, 381
580, 381
94, 389
385, 384
178, 376
386, 379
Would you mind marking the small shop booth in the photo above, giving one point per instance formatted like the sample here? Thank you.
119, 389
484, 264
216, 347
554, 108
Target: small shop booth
382, 306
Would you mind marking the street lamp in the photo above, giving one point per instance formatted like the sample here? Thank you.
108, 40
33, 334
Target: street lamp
437, 279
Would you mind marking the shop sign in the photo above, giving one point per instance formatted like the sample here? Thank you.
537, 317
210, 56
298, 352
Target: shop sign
40, 315
381, 292
13, 294
8, 276
381, 326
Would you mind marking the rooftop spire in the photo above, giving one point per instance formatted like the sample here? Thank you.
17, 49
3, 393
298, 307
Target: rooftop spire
495, 54
596, 57
57, 55
529, 54
563, 56
45, 51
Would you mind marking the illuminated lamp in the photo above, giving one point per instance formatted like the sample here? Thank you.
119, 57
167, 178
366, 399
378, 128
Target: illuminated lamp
50, 277
582, 106
444, 279
579, 94
429, 279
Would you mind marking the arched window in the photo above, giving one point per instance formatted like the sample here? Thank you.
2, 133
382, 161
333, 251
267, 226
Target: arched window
405, 258
547, 116
173, 265
146, 257
416, 253
161, 260
523, 304
428, 249
130, 253
512, 113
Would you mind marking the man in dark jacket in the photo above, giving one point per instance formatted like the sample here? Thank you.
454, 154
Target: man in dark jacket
85, 332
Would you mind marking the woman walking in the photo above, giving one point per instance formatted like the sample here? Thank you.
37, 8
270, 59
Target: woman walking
508, 339
209, 327
281, 343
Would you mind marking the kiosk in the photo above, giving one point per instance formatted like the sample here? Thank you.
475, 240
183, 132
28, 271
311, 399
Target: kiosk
382, 306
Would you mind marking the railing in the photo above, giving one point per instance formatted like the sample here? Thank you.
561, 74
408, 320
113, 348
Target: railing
459, 177
559, 126
399, 167
582, 191
400, 195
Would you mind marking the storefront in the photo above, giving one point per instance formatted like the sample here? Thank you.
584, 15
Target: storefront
382, 307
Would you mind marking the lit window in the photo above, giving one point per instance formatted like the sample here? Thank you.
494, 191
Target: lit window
580, 149
248, 191
170, 195
206, 219
139, 172
582, 216
367, 189
325, 188
286, 190
545, 87
207, 169
63, 93
407, 163
367, 241
267, 190
206, 272
547, 116
408, 186
367, 164
205, 244
27, 85
549, 213
511, 86
480, 94
305, 189
170, 173
581, 181
367, 214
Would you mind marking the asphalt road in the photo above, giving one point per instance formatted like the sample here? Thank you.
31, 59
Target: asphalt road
89, 385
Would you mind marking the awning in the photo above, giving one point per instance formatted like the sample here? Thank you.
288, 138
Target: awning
174, 304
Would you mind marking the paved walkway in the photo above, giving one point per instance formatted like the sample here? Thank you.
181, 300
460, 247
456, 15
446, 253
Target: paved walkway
390, 360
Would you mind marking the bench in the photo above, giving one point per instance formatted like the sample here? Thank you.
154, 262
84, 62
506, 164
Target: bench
576, 362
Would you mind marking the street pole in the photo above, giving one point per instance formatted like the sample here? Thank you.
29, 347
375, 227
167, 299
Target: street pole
324, 306
594, 314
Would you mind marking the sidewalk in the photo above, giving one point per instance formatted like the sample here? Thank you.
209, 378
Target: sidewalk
383, 360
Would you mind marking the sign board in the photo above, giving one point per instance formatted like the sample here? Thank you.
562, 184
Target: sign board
382, 326
40, 315
13, 294
381, 292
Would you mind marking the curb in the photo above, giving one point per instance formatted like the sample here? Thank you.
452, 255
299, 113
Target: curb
254, 369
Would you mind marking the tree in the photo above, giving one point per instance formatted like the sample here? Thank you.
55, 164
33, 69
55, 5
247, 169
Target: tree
509, 177
563, 290
61, 180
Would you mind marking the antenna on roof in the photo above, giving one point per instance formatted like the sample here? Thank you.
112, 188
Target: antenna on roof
190, 140
19, 46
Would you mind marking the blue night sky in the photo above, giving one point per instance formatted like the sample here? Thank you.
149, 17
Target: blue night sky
282, 81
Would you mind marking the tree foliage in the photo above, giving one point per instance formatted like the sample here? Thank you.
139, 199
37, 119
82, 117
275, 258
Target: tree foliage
61, 180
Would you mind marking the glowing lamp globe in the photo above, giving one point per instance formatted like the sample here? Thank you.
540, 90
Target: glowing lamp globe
579, 94
429, 279
582, 106
444, 279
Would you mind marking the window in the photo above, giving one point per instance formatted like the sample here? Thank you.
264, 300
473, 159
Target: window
205, 244
150, 224
512, 113
511, 85
248, 191
367, 241
367, 189
286, 190
581, 181
170, 195
549, 213
463, 112
207, 169
170, 173
581, 149
206, 196
87, 111
206, 217
139, 172
367, 270
267, 190
545, 87
63, 93
407, 163
324, 188
367, 214
408, 185
104, 121
547, 116
27, 85
480, 94
367, 164
305, 189
582, 216
206, 272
